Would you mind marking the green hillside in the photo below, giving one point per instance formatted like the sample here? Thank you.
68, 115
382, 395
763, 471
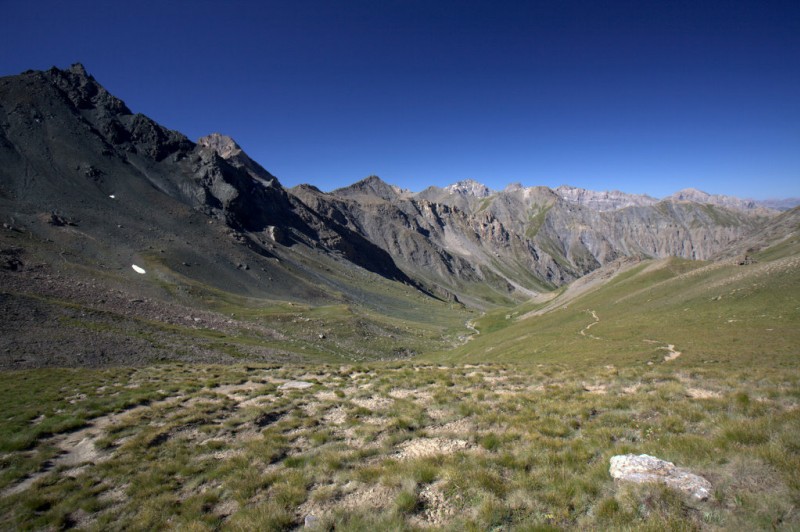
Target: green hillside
710, 312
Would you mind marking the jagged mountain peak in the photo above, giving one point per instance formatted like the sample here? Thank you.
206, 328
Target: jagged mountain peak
79, 70
374, 181
82, 89
372, 186
228, 149
224, 145
469, 187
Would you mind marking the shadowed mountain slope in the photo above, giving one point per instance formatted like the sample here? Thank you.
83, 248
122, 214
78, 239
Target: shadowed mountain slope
74, 154
88, 189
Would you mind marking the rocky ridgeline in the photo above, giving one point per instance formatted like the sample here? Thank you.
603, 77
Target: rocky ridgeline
227, 148
604, 201
469, 187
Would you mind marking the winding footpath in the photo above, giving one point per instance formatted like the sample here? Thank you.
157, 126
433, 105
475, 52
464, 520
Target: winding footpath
672, 354
585, 329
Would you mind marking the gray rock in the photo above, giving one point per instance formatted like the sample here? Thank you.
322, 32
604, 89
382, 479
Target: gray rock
645, 468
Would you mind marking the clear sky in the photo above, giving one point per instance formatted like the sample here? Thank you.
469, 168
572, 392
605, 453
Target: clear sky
644, 96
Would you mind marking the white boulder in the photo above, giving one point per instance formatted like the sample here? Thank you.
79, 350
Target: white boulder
645, 468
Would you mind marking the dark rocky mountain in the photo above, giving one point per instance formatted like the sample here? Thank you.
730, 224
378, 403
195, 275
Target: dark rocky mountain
110, 187
104, 185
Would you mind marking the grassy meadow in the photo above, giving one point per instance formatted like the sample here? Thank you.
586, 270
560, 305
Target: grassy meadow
394, 446
510, 429
712, 313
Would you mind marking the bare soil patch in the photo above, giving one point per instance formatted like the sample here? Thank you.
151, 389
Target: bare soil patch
373, 403
699, 393
415, 395
424, 447
438, 508
324, 500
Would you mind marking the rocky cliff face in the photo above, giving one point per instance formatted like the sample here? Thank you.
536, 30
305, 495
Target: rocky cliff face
587, 238
582, 230
453, 253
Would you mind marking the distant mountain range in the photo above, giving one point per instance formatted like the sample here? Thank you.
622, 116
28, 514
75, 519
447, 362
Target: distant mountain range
105, 187
614, 199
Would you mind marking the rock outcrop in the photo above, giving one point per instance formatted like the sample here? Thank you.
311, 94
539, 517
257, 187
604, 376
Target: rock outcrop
226, 147
469, 187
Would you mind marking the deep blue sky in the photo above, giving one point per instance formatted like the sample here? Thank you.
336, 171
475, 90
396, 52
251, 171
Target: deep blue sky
641, 96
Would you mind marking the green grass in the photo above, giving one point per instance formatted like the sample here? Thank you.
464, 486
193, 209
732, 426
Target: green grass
536, 221
274, 330
710, 313
510, 446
